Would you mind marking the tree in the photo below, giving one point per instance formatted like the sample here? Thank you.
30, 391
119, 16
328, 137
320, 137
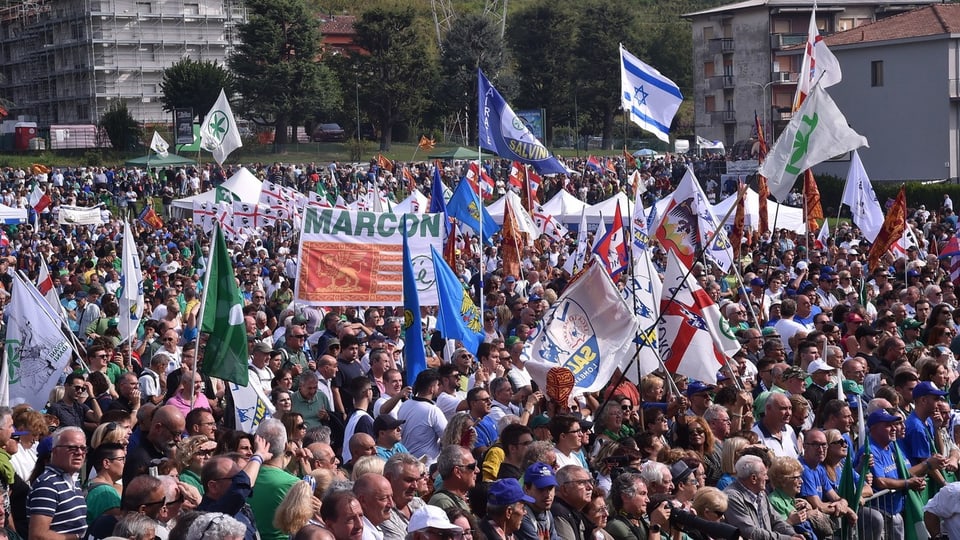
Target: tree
394, 73
194, 84
474, 41
535, 34
123, 131
276, 67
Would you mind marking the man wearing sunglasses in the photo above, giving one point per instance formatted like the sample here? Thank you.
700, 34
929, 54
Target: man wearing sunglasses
458, 470
56, 503
76, 408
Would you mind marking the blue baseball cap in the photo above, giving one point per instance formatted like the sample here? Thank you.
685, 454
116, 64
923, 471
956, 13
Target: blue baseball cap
697, 387
540, 475
506, 492
881, 415
927, 388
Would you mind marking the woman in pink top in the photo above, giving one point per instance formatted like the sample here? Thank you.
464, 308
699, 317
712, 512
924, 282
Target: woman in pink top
190, 384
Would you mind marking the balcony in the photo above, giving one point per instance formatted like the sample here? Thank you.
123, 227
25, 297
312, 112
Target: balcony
721, 45
783, 77
780, 41
722, 82
724, 117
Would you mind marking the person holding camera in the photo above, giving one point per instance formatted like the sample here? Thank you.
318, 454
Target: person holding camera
631, 519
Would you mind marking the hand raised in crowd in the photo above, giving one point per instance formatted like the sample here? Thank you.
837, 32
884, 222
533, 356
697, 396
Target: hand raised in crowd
262, 448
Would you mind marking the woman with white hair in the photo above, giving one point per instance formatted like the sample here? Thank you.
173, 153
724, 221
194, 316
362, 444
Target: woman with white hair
216, 526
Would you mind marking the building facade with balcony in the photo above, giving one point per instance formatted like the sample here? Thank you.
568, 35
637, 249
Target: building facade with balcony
901, 90
746, 57
68, 61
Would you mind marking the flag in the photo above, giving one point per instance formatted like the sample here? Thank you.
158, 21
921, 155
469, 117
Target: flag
532, 191
639, 233
578, 258
458, 317
609, 167
892, 230
225, 355
148, 216
739, 221
222, 194
426, 144
130, 297
450, 245
913, 526
250, 405
905, 242
502, 132
811, 200
818, 64
45, 286
549, 225
858, 194
651, 98
817, 132
37, 351
218, 132
384, 163
594, 164
159, 145
588, 330
695, 339
480, 181
642, 294
688, 226
612, 248
411, 181
465, 207
513, 240
415, 358
516, 178
438, 205
39, 198
628, 158
764, 190
822, 236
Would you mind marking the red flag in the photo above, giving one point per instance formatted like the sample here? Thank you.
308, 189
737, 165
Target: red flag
384, 163
480, 181
594, 164
411, 181
150, 218
609, 166
893, 228
533, 184
512, 243
612, 248
736, 234
517, 175
450, 247
811, 200
426, 144
630, 160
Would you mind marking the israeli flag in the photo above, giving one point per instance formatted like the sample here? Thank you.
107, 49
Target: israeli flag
651, 98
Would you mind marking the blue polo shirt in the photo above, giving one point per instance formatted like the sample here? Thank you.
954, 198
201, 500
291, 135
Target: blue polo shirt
815, 481
885, 466
918, 443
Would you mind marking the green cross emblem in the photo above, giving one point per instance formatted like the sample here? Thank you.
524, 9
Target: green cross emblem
219, 125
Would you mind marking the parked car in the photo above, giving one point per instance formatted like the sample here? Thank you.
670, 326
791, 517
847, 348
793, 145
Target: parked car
329, 133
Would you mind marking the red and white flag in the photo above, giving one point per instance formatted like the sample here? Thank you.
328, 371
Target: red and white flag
39, 198
691, 325
549, 225
516, 177
612, 247
823, 235
818, 64
480, 181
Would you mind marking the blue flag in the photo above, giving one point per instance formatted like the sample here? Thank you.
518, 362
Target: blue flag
437, 204
465, 207
458, 317
414, 352
505, 134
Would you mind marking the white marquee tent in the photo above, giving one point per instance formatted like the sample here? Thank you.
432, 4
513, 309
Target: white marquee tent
243, 184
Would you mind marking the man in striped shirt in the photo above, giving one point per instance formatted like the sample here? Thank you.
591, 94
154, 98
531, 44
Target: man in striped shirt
56, 505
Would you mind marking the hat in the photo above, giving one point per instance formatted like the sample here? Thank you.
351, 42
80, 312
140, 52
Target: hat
333, 341
881, 415
697, 387
802, 265
540, 475
854, 317
866, 330
757, 282
818, 365
927, 388
911, 324
262, 347
431, 517
680, 472
20, 433
539, 421
299, 319
45, 448
913, 273
510, 279
827, 270
385, 422
770, 332
511, 341
534, 298
851, 386
80, 294
501, 493
806, 287
794, 372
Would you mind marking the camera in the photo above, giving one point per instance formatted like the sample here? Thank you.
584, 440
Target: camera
686, 521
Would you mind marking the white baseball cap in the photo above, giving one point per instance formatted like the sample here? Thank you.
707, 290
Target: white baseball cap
431, 517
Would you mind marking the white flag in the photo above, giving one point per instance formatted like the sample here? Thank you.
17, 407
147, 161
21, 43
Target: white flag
819, 64
589, 322
36, 349
817, 132
219, 134
251, 406
159, 145
651, 99
76, 215
823, 235
642, 294
131, 296
858, 194
576, 260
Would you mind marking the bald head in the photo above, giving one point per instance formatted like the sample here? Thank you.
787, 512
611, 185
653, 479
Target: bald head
166, 426
323, 456
361, 445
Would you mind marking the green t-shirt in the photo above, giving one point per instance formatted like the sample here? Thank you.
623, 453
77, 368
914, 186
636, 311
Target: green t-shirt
271, 487
190, 477
100, 499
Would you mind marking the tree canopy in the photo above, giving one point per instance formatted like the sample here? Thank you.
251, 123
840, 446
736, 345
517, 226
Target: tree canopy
194, 84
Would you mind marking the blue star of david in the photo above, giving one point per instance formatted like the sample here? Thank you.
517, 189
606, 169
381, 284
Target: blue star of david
694, 320
640, 96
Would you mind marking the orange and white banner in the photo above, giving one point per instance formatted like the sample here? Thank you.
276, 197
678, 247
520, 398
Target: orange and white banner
350, 258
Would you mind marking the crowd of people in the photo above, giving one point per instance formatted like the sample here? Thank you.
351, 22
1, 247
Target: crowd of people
843, 370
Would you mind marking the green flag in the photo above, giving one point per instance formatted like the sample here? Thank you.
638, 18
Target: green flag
222, 194
225, 355
913, 526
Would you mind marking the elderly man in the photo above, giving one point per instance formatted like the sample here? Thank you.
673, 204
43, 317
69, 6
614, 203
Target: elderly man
574, 493
403, 473
749, 508
658, 478
227, 487
458, 470
774, 429
165, 427
56, 504
309, 402
273, 481
630, 519
376, 498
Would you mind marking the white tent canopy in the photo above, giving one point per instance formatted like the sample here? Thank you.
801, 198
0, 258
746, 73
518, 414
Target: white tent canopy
10, 215
416, 203
789, 217
243, 184
565, 207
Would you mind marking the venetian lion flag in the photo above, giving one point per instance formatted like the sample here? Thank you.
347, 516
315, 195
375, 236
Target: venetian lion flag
817, 132
589, 322
225, 355
695, 339
219, 134
892, 230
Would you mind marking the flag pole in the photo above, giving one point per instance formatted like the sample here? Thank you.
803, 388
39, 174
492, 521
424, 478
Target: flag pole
79, 349
203, 305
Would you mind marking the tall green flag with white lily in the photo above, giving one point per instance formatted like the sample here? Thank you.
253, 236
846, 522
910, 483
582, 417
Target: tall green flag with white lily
225, 354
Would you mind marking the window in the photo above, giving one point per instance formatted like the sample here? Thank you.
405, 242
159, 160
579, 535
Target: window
845, 23
710, 104
708, 69
707, 33
876, 73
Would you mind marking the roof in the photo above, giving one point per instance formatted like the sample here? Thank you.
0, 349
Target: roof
934, 20
338, 24
800, 5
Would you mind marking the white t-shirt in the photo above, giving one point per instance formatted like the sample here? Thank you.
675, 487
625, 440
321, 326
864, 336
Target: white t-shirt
448, 403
